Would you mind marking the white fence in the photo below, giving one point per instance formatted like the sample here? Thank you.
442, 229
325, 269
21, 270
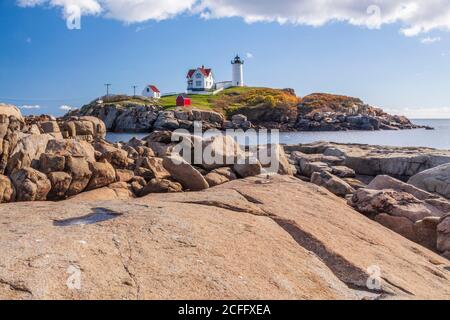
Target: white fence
165, 94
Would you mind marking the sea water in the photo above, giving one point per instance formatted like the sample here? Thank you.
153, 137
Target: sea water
438, 138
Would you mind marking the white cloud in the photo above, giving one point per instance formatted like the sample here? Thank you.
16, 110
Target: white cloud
28, 107
249, 55
87, 7
414, 16
142, 28
421, 113
430, 40
65, 108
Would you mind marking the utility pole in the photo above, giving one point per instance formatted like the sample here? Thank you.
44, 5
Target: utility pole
134, 90
107, 88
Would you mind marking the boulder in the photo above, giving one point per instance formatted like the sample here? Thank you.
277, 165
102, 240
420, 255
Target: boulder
51, 162
115, 191
208, 117
133, 118
103, 174
27, 151
400, 204
144, 151
155, 165
7, 193
343, 172
330, 160
227, 172
135, 142
132, 152
219, 151
332, 183
400, 163
220, 176
71, 147
51, 127
145, 173
184, 173
248, 168
30, 184
308, 168
79, 169
382, 182
160, 186
137, 184
436, 180
166, 121
274, 158
115, 156
215, 179
238, 119
11, 123
124, 175
60, 182
400, 225
84, 127
99, 126
161, 149
426, 232
8, 110
355, 183
441, 204
443, 234
397, 163
159, 136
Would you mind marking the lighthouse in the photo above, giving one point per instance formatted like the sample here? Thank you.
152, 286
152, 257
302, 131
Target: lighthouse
238, 72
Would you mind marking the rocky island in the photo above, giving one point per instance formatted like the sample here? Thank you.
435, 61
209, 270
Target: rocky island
243, 108
314, 229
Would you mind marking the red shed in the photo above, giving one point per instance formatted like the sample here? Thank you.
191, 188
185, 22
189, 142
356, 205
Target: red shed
183, 101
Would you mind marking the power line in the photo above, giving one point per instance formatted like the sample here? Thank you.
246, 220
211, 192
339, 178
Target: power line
134, 90
107, 88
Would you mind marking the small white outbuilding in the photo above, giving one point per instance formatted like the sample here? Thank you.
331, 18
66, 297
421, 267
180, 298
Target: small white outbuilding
151, 91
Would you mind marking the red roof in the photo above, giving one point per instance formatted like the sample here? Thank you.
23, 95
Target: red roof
154, 89
205, 72
191, 73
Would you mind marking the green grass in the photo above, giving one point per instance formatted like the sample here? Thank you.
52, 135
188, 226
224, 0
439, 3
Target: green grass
226, 102
197, 101
206, 102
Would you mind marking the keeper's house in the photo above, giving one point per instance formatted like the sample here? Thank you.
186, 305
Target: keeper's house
200, 79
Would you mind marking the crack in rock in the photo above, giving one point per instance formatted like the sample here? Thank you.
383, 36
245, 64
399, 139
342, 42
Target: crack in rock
352, 276
125, 264
16, 286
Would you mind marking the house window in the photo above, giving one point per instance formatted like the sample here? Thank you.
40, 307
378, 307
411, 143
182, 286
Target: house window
198, 83
198, 76
148, 90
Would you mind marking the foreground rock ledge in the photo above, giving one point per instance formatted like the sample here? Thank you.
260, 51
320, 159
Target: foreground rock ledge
248, 239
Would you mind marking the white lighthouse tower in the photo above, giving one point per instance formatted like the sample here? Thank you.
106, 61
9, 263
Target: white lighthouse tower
238, 72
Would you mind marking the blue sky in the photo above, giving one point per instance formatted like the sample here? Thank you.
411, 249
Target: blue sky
44, 64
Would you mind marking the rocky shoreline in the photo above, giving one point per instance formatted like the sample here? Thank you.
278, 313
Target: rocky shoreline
316, 112
67, 163
405, 189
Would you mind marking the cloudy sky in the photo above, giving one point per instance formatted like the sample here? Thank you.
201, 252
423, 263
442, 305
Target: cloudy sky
392, 54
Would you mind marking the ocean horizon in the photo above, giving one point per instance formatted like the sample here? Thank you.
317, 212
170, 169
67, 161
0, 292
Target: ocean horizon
439, 138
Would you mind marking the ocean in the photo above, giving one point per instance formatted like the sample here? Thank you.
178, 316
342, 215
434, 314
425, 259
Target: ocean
438, 138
